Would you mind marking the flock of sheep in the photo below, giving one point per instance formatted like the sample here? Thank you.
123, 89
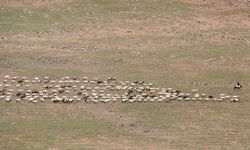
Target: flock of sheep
86, 90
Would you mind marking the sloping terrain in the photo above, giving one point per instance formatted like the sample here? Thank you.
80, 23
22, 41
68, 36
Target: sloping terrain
184, 44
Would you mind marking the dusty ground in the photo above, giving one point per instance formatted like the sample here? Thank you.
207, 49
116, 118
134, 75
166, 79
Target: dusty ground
176, 43
24, 3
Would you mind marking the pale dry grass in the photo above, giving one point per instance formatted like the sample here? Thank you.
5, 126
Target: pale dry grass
181, 44
35, 3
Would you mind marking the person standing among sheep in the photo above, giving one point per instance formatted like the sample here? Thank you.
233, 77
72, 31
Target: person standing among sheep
237, 86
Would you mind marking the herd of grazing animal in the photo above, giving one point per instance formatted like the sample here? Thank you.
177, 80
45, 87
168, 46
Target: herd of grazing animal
86, 90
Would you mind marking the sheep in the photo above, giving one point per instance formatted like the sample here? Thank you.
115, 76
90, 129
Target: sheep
42, 99
118, 88
26, 81
126, 82
222, 95
54, 91
12, 81
61, 82
131, 100
200, 99
30, 99
203, 95
34, 91
7, 98
194, 99
6, 85
46, 81
18, 100
94, 100
160, 99
85, 81
227, 97
23, 96
18, 85
196, 95
14, 78
181, 95
85, 78
137, 91
122, 83
124, 100
52, 81
144, 99
215, 99
150, 84
163, 91
29, 91
27, 85
235, 99
194, 90
92, 82
7, 77
180, 98
111, 79
2, 97
74, 78
77, 81
2, 91
74, 87
211, 96
82, 87
47, 78
20, 81
157, 89
8, 93
58, 99
169, 90
220, 100
207, 99
24, 77
151, 100
35, 101
88, 88
132, 84
85, 97
18, 94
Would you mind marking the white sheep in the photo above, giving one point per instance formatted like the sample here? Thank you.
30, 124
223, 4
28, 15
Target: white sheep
46, 78
8, 98
7, 77
180, 98
27, 85
196, 95
26, 81
18, 100
12, 81
194, 90
24, 78
6, 85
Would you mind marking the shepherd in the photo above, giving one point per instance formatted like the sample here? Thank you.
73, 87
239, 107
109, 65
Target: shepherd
237, 86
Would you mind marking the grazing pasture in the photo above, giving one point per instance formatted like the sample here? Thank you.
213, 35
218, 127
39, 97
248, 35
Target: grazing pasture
182, 44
